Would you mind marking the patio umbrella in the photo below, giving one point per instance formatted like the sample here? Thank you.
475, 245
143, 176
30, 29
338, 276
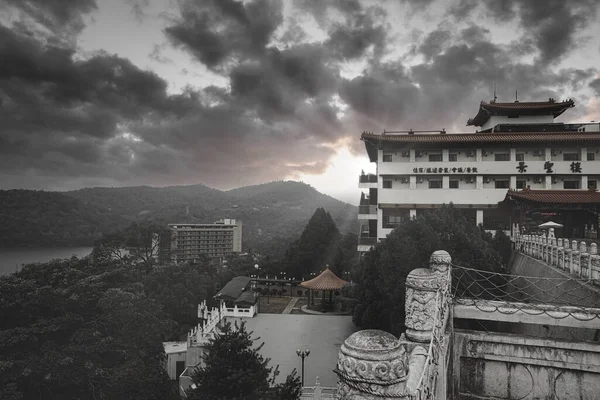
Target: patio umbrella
550, 224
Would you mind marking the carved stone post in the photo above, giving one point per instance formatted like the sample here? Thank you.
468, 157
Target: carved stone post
561, 254
372, 364
584, 260
594, 262
567, 264
575, 267
421, 287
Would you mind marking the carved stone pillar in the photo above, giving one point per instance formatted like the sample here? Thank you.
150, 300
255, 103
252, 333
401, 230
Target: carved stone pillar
584, 260
567, 263
560, 254
372, 364
421, 287
594, 262
575, 267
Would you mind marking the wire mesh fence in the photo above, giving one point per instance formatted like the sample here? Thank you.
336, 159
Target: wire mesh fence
469, 283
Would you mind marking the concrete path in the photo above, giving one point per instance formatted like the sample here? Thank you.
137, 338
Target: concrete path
290, 306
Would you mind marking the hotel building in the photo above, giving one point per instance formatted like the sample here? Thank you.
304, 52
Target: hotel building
189, 242
517, 146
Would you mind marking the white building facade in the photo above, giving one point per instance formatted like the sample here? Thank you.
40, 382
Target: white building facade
519, 146
190, 242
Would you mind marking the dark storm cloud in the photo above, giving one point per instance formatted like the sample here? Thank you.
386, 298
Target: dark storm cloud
58, 16
553, 25
215, 30
595, 85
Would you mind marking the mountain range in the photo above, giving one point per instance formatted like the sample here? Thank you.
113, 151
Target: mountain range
273, 214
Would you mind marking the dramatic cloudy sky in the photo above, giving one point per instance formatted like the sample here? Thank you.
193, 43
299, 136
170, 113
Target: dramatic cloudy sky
231, 93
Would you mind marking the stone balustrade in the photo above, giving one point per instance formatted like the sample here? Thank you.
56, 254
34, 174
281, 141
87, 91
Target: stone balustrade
374, 364
576, 257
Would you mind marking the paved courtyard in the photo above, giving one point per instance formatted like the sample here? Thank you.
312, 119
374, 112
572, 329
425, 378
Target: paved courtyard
284, 333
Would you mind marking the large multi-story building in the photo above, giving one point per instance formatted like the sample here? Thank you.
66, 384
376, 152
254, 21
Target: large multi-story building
189, 242
518, 146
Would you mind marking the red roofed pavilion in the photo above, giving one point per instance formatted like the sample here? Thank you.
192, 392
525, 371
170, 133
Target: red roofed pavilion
326, 281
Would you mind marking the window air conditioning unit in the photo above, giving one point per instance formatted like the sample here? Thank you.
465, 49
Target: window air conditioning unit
406, 153
403, 180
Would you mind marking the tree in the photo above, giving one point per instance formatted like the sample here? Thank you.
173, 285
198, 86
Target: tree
139, 242
316, 247
234, 370
75, 329
380, 280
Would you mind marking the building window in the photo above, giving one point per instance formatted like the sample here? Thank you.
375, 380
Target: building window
502, 184
435, 157
454, 184
591, 156
571, 157
390, 221
387, 158
571, 185
521, 184
435, 184
520, 157
592, 185
452, 157
387, 184
502, 156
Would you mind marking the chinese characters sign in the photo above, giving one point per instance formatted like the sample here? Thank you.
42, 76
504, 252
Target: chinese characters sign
575, 167
444, 170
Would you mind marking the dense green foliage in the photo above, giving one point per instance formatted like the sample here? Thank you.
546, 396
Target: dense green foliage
79, 330
316, 247
234, 370
272, 213
380, 280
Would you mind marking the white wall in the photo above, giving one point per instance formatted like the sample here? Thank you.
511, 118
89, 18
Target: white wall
523, 119
442, 196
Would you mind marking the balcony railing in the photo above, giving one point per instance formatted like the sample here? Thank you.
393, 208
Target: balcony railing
370, 178
367, 241
371, 209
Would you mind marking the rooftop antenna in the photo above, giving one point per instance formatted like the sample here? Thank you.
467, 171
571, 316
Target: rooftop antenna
516, 96
495, 97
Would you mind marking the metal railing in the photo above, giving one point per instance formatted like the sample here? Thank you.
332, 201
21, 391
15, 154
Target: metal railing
370, 178
370, 209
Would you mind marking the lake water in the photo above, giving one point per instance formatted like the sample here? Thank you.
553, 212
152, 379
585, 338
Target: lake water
10, 259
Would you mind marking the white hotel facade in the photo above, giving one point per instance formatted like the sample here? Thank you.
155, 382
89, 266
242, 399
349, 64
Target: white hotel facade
517, 146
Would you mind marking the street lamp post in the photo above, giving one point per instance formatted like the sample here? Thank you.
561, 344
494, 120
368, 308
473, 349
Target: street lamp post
303, 354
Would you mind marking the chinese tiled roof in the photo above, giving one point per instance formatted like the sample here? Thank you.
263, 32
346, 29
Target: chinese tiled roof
488, 137
555, 196
519, 108
374, 141
327, 280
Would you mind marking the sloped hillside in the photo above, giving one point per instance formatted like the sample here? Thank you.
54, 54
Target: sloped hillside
273, 214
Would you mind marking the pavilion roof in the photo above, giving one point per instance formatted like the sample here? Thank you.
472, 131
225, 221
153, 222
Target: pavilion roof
555, 196
551, 107
326, 280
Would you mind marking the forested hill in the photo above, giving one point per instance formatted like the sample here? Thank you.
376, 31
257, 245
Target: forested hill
273, 214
